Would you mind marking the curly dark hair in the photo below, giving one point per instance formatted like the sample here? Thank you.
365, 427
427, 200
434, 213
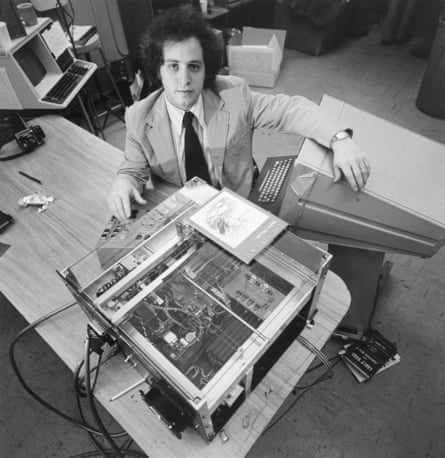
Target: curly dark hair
179, 24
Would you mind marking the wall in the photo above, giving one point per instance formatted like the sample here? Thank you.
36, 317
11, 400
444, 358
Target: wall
105, 15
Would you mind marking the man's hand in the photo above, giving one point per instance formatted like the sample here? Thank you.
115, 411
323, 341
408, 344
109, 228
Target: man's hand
350, 160
121, 195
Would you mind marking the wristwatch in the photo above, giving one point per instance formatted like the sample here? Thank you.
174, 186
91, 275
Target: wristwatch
339, 136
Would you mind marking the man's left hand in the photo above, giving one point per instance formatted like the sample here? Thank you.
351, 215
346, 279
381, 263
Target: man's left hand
352, 162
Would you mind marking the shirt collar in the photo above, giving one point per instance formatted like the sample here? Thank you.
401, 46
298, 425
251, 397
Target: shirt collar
176, 114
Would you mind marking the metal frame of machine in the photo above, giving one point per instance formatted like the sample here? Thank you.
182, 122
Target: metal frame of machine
198, 320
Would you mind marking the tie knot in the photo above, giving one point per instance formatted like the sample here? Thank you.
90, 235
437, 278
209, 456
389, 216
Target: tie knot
187, 120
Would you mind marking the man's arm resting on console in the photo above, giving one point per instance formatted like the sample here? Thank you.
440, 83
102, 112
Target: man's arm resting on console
298, 115
293, 114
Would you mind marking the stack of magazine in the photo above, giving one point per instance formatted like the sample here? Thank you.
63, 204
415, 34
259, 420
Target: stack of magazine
369, 356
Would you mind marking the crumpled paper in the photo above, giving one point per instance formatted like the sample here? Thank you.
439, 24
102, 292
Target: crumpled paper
37, 200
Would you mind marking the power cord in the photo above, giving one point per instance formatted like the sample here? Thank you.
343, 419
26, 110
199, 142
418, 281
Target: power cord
70, 14
120, 452
62, 13
81, 392
92, 339
324, 360
305, 388
320, 379
20, 378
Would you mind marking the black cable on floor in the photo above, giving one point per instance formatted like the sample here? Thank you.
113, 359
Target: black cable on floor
325, 376
80, 391
90, 397
21, 380
81, 424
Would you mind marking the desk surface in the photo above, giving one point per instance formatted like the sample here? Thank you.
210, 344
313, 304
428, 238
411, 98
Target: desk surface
77, 169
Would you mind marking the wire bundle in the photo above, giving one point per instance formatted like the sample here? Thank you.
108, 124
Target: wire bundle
83, 387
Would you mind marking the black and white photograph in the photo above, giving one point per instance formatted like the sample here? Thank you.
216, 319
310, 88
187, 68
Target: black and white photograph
221, 228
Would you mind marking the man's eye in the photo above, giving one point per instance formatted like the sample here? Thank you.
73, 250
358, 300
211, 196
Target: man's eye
195, 67
172, 66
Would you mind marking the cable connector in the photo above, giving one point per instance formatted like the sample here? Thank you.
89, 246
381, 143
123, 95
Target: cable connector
96, 341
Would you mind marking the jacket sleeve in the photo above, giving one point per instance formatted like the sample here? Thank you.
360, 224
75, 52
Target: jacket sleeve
292, 114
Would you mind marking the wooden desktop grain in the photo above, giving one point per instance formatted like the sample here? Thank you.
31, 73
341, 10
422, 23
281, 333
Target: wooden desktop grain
77, 169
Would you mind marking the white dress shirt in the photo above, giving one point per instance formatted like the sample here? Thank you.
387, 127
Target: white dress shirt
176, 116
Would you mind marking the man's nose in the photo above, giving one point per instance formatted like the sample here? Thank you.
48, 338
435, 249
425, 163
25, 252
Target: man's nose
184, 76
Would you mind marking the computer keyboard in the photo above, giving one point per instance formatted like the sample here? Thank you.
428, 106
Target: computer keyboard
271, 186
272, 183
63, 88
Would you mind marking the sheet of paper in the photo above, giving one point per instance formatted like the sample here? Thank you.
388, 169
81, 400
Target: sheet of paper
56, 39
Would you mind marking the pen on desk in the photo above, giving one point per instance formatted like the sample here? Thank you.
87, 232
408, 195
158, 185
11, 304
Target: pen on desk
30, 177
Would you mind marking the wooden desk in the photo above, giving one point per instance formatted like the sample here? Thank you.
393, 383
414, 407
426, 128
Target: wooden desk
77, 168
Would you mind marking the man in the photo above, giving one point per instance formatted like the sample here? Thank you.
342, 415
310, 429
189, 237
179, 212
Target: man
182, 52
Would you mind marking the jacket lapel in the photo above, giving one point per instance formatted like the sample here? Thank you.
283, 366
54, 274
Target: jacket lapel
217, 124
160, 137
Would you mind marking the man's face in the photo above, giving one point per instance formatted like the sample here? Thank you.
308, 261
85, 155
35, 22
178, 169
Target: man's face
183, 72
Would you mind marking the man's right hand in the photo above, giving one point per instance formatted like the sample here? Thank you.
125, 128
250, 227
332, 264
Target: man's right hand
123, 192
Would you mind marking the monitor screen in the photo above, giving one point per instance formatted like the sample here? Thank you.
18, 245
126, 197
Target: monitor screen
30, 63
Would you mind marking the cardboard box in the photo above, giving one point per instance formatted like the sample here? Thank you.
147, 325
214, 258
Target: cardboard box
303, 35
259, 57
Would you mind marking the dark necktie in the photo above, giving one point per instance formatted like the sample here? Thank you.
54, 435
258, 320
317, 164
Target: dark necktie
195, 163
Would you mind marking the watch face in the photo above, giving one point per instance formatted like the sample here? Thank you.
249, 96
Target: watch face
341, 135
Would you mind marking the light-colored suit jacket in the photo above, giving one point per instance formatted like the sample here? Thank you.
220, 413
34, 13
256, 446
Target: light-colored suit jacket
232, 112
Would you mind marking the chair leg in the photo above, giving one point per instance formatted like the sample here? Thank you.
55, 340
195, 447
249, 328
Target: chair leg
86, 115
112, 80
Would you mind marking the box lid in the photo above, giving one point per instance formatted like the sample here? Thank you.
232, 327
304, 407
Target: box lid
259, 57
258, 36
